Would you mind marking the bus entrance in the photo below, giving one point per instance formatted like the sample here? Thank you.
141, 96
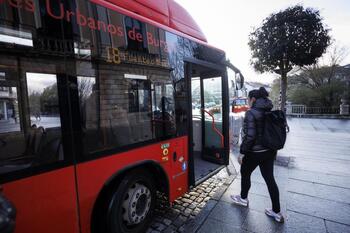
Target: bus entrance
208, 145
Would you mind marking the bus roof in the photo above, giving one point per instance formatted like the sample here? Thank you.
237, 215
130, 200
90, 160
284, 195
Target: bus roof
165, 12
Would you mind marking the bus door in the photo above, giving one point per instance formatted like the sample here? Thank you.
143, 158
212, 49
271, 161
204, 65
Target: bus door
208, 136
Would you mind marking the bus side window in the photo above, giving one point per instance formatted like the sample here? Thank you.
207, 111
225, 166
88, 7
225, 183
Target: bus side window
163, 109
39, 142
119, 109
88, 103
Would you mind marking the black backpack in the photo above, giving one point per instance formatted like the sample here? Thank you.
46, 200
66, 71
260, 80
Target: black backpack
275, 130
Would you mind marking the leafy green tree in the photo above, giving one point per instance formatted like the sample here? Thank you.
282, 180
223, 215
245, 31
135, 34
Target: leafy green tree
318, 86
292, 37
49, 100
34, 103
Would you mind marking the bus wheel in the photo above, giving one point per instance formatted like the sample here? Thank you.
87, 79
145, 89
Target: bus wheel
132, 205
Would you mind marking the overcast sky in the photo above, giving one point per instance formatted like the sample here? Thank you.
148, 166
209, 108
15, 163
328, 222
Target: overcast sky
227, 24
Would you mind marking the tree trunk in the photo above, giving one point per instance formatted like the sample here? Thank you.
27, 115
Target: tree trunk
283, 91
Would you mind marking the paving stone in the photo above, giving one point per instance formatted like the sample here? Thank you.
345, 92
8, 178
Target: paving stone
158, 218
228, 213
158, 226
201, 205
170, 229
194, 194
187, 212
195, 212
178, 202
219, 192
207, 190
200, 191
195, 222
167, 221
185, 204
321, 208
181, 229
171, 215
215, 226
187, 200
321, 178
304, 224
192, 205
181, 208
333, 227
180, 220
260, 223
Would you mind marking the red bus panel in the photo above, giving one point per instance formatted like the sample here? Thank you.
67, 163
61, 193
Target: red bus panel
45, 203
144, 10
93, 175
168, 13
182, 21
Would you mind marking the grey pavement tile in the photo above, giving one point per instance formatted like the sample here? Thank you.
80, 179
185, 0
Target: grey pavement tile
256, 188
314, 165
280, 171
319, 177
302, 187
333, 193
216, 226
229, 213
325, 155
260, 203
304, 224
319, 190
318, 207
333, 227
260, 223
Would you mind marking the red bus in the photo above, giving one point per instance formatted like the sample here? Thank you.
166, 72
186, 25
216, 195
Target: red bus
240, 104
97, 115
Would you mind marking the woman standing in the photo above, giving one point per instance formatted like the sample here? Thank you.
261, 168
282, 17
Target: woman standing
255, 154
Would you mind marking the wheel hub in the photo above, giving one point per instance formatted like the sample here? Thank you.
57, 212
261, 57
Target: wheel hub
136, 204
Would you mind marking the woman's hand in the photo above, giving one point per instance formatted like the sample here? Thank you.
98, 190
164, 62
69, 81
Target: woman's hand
240, 159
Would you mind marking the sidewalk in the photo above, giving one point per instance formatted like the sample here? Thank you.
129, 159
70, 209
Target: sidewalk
314, 186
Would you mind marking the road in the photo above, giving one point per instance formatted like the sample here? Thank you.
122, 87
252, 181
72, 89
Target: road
314, 187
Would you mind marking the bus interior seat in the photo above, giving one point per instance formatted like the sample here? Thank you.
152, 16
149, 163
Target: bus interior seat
42, 147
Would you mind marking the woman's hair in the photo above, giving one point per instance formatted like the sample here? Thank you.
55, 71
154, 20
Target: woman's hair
258, 93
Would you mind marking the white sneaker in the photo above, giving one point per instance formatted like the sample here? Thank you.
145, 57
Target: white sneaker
239, 201
277, 216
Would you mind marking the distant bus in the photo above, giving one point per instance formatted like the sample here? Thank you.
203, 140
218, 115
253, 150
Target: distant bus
97, 115
240, 104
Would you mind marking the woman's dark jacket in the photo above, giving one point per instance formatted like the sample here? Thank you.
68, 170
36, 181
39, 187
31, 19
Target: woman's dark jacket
253, 126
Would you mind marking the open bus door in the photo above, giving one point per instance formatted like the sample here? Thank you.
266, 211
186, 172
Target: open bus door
209, 114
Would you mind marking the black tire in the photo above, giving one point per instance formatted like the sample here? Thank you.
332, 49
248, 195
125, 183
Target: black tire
116, 222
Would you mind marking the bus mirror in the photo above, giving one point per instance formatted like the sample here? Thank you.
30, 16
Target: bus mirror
239, 81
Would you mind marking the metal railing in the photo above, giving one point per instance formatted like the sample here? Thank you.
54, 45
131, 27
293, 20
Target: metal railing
299, 110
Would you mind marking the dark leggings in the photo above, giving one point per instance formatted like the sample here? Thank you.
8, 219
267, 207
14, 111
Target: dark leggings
265, 162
